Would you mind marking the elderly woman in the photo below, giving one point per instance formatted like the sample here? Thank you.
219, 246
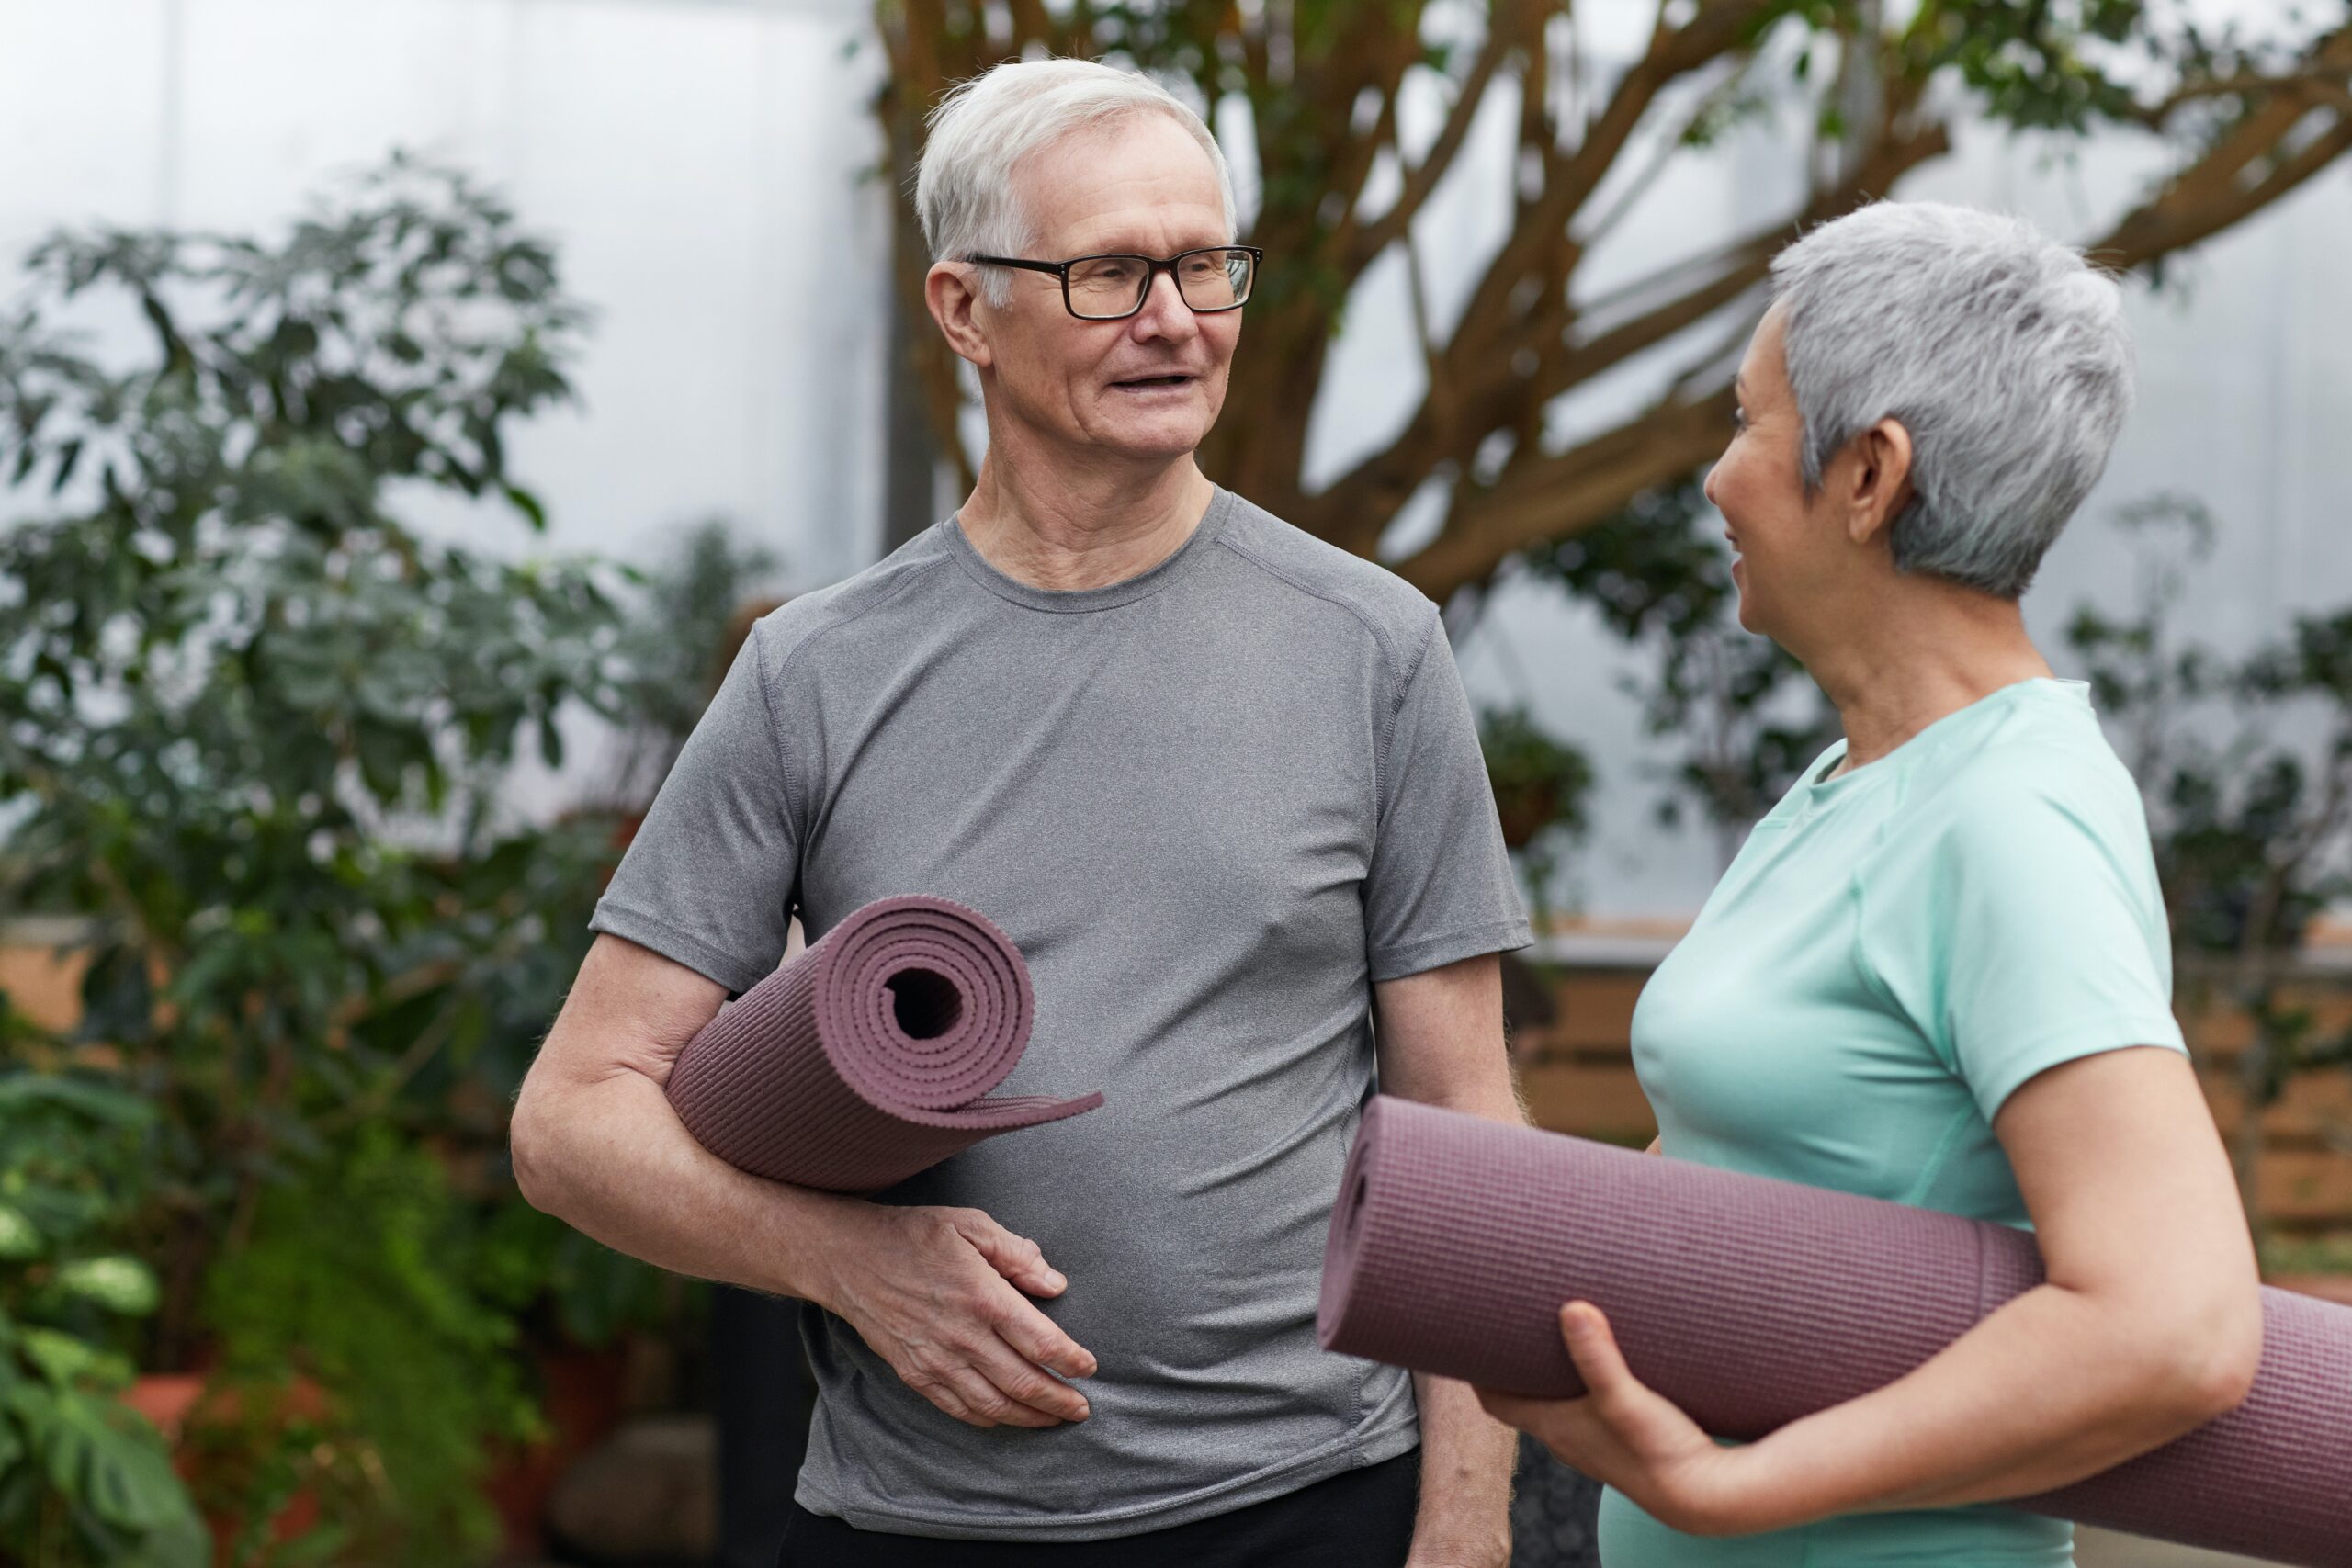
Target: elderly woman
1937, 971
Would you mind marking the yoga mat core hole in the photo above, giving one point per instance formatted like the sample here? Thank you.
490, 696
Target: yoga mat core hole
925, 1002
1355, 1204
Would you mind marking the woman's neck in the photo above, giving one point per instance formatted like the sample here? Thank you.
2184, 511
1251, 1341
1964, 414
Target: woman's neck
1926, 650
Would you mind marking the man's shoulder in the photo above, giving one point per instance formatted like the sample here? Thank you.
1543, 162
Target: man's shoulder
783, 632
1398, 615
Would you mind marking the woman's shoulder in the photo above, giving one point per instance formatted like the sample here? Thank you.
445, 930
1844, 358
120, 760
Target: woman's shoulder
2043, 768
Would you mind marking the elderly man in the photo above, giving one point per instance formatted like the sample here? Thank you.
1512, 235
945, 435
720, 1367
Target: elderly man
1220, 782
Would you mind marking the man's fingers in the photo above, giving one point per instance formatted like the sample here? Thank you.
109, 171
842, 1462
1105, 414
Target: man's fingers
940, 1394
1021, 1379
978, 1388
1016, 1257
1038, 1338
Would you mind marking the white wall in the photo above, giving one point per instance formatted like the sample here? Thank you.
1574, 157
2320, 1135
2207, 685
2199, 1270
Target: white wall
697, 164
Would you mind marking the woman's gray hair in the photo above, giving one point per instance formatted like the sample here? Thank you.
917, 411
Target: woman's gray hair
985, 126
2003, 353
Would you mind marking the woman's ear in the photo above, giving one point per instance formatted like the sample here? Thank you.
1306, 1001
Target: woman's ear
1881, 480
948, 290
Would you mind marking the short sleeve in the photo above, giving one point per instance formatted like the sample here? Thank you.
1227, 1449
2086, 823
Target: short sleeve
709, 879
1440, 887
2026, 931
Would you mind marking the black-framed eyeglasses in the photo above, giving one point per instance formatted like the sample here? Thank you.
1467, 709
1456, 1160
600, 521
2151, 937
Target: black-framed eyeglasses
1109, 288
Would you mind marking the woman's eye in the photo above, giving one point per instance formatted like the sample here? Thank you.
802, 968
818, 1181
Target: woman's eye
1739, 419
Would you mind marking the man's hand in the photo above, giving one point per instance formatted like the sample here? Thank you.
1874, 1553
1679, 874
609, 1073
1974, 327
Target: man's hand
931, 1290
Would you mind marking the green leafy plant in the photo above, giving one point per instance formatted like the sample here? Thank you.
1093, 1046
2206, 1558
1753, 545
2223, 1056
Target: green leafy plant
252, 726
373, 1265
82, 1479
676, 629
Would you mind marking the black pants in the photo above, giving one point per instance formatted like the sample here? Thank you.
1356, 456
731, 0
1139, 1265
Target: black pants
1359, 1518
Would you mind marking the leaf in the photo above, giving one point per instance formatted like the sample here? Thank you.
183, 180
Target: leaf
116, 1463
19, 1237
119, 1283
69, 457
64, 1360
534, 511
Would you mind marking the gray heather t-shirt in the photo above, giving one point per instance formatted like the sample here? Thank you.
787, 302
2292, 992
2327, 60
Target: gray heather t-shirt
1212, 804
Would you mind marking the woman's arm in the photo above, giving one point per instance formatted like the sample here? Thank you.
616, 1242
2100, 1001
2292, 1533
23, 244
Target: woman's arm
2149, 1324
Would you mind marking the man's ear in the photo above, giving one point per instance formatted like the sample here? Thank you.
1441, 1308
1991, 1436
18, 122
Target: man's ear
1879, 485
949, 290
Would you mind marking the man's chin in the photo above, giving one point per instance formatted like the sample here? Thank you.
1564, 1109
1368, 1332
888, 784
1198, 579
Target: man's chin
1160, 437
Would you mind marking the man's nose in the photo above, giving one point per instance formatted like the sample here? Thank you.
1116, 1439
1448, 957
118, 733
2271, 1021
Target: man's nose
1164, 313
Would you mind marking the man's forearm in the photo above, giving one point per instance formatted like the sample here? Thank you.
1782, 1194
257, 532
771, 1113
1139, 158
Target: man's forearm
612, 1159
1468, 1457
1441, 1042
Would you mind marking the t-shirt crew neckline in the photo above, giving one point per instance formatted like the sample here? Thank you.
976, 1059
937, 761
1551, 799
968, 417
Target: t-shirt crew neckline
1821, 789
1079, 600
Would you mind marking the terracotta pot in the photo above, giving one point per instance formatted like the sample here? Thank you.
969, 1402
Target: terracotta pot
183, 1405
1526, 812
166, 1398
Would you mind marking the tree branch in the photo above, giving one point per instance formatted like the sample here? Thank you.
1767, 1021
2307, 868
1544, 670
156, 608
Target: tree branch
2216, 191
1521, 279
1558, 495
1357, 244
1550, 496
1749, 262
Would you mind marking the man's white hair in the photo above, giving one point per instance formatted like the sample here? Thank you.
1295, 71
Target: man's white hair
2003, 352
985, 126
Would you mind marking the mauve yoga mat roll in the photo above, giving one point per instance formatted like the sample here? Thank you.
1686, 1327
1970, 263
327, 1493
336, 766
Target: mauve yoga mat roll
866, 1058
1751, 1302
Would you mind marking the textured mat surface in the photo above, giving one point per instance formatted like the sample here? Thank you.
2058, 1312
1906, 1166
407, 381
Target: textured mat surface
869, 1056
1751, 1302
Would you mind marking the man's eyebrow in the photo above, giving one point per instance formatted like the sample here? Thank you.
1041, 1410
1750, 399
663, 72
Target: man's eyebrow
1738, 388
1127, 249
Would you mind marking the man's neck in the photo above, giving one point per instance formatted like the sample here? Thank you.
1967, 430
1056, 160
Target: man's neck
1925, 652
1063, 529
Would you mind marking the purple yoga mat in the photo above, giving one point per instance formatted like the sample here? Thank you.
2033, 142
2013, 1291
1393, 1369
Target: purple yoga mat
866, 1058
1751, 1302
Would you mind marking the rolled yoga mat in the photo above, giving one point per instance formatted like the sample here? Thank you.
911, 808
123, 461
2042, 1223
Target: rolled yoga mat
866, 1058
1751, 1302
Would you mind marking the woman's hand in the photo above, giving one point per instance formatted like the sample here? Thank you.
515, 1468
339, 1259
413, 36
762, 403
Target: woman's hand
1622, 1434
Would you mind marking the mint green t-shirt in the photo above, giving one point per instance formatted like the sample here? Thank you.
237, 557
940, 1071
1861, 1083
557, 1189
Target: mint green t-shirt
1891, 954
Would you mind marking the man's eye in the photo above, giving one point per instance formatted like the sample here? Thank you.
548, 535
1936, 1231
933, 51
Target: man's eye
1739, 419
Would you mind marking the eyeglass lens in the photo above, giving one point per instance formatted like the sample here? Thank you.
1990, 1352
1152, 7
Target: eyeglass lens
1115, 286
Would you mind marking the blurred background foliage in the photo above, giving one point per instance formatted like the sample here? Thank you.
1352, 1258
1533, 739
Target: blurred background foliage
255, 730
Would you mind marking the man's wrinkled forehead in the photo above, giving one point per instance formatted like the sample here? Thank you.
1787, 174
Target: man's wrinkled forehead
1138, 183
